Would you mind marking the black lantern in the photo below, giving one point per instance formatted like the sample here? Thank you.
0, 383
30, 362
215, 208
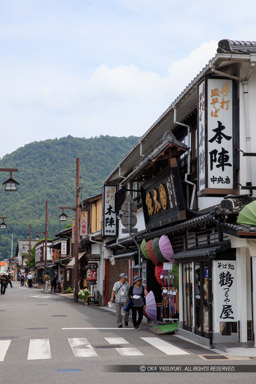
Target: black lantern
63, 217
10, 185
3, 225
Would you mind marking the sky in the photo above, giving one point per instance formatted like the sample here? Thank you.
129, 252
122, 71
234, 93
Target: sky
104, 67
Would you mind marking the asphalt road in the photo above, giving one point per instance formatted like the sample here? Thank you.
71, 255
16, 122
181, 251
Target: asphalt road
49, 339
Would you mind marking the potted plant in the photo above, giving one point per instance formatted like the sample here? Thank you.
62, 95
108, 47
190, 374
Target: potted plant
84, 294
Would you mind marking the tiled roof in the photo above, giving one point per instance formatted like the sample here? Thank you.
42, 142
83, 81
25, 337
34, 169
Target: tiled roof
234, 46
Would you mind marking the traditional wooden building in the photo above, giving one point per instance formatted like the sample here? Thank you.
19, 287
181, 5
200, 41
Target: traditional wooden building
190, 176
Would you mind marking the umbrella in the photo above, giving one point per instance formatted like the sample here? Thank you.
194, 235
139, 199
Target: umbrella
151, 310
143, 248
158, 274
166, 247
151, 254
248, 214
156, 249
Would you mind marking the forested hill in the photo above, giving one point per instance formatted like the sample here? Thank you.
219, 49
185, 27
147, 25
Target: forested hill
47, 171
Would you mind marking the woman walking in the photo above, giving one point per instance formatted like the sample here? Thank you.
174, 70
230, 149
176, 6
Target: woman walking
137, 295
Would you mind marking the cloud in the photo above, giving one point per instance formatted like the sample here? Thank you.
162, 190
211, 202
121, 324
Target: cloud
47, 102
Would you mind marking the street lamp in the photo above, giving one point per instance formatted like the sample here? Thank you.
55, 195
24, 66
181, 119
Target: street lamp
3, 224
10, 184
63, 216
77, 210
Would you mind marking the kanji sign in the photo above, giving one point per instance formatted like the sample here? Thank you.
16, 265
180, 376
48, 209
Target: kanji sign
109, 213
84, 223
216, 137
162, 199
225, 303
63, 248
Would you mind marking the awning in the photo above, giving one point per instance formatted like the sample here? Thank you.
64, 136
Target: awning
201, 252
72, 261
124, 255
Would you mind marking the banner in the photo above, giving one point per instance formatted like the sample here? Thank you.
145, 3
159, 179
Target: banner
109, 213
84, 224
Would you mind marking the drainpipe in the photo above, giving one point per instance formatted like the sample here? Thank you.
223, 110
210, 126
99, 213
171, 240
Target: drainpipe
189, 151
210, 300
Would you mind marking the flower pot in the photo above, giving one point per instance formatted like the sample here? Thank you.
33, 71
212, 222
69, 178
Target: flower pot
85, 301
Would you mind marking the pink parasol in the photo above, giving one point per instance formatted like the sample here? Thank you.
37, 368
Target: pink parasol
151, 253
151, 310
166, 248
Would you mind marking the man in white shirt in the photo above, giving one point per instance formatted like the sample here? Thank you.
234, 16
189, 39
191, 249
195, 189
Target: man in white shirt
120, 291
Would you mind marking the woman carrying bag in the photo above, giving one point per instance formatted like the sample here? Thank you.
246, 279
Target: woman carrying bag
137, 296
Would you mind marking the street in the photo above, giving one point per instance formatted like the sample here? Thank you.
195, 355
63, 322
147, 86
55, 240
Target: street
49, 339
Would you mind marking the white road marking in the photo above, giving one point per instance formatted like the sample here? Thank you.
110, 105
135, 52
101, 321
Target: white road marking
116, 340
129, 351
41, 297
39, 349
81, 348
163, 346
4, 345
92, 328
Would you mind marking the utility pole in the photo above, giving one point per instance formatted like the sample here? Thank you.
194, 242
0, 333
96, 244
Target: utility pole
77, 232
29, 248
46, 235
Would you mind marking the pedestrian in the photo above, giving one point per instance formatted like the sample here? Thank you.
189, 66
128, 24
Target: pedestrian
53, 284
22, 279
46, 282
3, 284
30, 278
9, 279
137, 295
120, 291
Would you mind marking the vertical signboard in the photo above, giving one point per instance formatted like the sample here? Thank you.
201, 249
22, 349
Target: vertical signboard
109, 212
84, 223
225, 290
216, 137
201, 136
63, 248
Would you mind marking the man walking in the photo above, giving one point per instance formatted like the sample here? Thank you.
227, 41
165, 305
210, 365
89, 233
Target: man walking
30, 279
120, 291
46, 282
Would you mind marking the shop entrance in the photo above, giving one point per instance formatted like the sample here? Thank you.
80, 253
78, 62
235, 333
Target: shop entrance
201, 299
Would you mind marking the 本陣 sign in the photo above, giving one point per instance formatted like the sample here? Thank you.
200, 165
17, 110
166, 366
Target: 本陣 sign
84, 223
225, 290
162, 199
109, 213
215, 137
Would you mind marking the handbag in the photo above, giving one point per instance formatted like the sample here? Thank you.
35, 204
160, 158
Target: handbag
128, 306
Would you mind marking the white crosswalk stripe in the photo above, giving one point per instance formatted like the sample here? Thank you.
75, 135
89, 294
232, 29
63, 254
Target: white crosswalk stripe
81, 347
39, 349
123, 351
163, 346
116, 340
4, 346
129, 351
